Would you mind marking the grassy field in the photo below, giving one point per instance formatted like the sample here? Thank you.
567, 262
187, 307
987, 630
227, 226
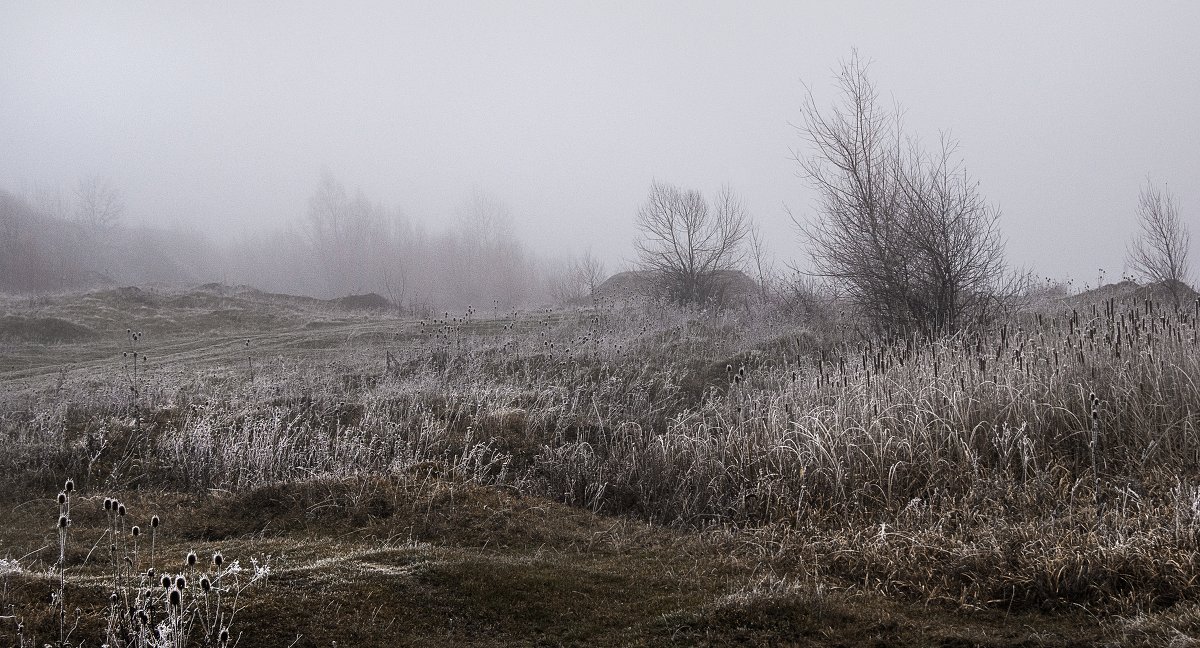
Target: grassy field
616, 475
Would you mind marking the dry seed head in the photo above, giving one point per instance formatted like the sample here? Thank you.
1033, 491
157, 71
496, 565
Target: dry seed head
176, 598
62, 521
70, 485
218, 559
120, 509
62, 498
136, 531
191, 559
224, 636
180, 582
154, 522
108, 503
166, 581
204, 584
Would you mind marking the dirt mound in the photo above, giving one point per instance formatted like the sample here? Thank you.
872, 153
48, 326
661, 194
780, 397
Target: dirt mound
1129, 291
43, 329
732, 285
369, 301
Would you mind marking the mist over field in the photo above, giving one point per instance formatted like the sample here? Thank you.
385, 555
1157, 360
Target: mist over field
217, 128
638, 324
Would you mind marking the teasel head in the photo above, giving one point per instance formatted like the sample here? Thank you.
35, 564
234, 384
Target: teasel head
63, 521
176, 598
69, 486
62, 498
205, 584
224, 636
136, 531
165, 581
180, 582
218, 559
154, 522
108, 503
191, 559
121, 510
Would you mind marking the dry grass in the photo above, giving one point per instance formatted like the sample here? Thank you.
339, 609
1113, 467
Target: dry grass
967, 473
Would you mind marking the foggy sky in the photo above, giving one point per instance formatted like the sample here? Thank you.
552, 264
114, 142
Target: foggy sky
226, 115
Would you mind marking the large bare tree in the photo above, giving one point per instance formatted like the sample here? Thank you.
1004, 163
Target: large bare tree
690, 245
1160, 251
904, 232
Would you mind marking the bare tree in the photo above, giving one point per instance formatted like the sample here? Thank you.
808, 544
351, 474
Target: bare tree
99, 205
589, 271
1160, 251
690, 245
903, 232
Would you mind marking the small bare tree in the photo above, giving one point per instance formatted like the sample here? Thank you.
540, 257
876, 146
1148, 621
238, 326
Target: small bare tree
99, 205
903, 232
589, 272
1160, 251
689, 245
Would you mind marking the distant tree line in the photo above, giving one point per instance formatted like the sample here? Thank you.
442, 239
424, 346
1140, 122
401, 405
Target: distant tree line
343, 243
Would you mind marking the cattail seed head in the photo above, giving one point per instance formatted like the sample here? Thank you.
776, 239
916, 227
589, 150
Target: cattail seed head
69, 486
62, 498
176, 598
154, 522
191, 559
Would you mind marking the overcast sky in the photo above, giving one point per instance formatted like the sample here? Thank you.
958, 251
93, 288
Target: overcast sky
226, 114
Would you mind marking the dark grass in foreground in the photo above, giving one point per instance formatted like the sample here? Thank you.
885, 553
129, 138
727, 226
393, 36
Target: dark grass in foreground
425, 562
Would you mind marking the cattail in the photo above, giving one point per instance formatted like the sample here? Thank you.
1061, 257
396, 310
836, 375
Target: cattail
191, 559
70, 485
